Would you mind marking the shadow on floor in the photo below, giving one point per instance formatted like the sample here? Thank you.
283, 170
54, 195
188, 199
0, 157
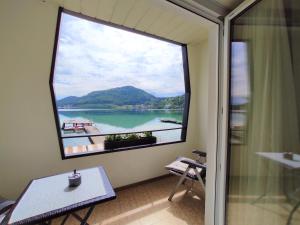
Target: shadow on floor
147, 204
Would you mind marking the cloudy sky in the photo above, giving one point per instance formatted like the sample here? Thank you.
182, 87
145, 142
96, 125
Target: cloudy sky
240, 71
93, 57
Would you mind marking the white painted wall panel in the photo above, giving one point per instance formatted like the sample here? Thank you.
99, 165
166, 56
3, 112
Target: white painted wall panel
122, 10
74, 5
155, 17
90, 7
105, 9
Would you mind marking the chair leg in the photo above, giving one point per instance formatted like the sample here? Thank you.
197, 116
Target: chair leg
182, 178
199, 179
190, 188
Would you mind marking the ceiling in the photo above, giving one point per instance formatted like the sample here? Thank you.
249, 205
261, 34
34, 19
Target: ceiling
158, 17
219, 8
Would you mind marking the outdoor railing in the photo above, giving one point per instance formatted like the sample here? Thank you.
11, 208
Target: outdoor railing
119, 133
72, 149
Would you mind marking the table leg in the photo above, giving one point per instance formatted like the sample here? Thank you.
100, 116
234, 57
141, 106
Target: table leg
268, 187
83, 222
65, 219
46, 223
265, 193
292, 213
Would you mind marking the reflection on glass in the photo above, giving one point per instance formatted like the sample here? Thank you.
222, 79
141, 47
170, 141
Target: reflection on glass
264, 148
240, 91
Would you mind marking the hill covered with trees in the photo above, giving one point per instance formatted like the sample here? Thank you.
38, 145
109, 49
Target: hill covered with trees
127, 97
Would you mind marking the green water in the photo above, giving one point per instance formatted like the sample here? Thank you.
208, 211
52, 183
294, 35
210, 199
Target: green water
113, 121
110, 120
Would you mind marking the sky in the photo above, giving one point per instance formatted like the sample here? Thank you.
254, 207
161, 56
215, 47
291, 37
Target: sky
240, 70
92, 56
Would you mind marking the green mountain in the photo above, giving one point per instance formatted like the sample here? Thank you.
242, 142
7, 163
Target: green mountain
127, 97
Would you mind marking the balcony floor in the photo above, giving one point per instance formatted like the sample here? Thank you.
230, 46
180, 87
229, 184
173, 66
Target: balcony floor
147, 204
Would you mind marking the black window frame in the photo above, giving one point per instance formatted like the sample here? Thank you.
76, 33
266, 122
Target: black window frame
187, 94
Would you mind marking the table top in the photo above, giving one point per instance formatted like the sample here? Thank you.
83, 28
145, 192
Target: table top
278, 157
50, 197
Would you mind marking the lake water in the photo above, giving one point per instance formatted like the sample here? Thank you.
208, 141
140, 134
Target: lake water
112, 121
116, 121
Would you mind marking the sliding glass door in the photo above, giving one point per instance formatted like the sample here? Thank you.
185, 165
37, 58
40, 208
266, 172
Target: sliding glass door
263, 153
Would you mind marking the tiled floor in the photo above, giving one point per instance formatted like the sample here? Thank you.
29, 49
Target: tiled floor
147, 204
247, 205
267, 211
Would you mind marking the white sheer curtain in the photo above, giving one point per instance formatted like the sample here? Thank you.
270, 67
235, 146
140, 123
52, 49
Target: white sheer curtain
272, 117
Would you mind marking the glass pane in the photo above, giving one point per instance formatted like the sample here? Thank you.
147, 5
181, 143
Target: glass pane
264, 150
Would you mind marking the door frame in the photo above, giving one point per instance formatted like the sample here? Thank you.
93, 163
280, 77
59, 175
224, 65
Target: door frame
215, 205
222, 156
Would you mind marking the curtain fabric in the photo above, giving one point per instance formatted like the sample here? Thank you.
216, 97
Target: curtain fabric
272, 118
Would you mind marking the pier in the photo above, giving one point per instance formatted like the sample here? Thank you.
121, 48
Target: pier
97, 142
74, 125
170, 121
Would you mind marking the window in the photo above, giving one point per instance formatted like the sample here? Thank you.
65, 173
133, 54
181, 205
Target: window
116, 89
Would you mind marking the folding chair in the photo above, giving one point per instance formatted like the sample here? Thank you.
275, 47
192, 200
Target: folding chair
5, 206
188, 169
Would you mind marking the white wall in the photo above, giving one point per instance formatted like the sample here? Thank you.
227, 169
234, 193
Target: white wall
199, 61
212, 121
28, 140
203, 58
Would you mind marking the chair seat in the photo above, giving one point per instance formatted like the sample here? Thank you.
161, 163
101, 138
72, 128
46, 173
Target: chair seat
179, 167
186, 168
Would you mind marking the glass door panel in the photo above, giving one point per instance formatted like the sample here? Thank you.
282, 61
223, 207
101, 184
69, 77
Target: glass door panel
263, 185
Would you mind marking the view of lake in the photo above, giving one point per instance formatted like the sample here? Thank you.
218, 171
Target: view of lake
125, 83
121, 121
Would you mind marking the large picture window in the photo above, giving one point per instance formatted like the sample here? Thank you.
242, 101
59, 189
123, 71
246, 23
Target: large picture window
116, 89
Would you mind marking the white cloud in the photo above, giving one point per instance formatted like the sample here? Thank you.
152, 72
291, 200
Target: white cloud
93, 57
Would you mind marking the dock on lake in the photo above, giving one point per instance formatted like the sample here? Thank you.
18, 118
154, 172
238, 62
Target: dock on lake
97, 142
94, 139
73, 125
170, 121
